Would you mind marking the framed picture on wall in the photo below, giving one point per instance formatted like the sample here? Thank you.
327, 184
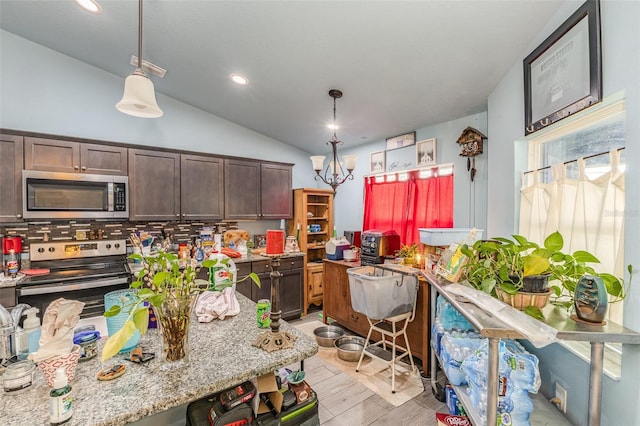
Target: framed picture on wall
564, 74
401, 141
426, 152
377, 162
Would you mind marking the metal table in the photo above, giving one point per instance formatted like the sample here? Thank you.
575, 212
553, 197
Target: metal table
568, 329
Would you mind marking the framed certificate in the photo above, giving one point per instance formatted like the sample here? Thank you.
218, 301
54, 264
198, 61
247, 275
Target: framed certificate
564, 74
401, 141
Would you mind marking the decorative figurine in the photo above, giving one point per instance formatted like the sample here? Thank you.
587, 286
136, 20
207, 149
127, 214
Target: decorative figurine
590, 299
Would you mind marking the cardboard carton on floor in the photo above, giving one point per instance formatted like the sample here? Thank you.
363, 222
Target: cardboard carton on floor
444, 419
266, 384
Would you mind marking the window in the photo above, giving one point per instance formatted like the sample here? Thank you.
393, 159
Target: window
408, 200
575, 184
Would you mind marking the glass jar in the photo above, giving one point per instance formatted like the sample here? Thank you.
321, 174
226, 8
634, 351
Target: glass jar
18, 377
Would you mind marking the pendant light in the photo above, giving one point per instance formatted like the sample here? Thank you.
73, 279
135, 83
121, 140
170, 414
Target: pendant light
334, 175
139, 98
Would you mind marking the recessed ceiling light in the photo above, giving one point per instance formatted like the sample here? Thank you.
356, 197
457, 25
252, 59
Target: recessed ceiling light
90, 5
239, 79
333, 126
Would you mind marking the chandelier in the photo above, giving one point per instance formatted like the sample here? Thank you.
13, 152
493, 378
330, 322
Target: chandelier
334, 174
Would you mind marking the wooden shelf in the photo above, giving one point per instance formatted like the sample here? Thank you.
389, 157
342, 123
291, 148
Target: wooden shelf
318, 203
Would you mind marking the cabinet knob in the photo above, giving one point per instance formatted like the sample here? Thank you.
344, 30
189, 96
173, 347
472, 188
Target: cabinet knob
84, 168
19, 216
177, 214
75, 167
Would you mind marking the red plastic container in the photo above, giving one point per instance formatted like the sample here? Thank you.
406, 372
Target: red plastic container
275, 242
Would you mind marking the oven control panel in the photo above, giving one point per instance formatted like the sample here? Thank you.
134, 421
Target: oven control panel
75, 249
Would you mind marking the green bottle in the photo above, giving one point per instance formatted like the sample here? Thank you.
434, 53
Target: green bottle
60, 399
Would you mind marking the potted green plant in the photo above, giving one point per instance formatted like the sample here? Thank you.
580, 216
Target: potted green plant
171, 290
503, 267
407, 253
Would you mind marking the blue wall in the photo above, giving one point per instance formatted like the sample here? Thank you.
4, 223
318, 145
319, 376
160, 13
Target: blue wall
621, 71
45, 91
467, 213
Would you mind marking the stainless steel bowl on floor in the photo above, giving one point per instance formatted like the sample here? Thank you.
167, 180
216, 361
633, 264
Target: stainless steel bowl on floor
349, 347
325, 336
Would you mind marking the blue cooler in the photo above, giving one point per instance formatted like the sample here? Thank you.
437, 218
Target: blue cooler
335, 248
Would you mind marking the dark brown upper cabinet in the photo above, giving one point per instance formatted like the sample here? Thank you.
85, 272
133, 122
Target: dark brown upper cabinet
74, 157
154, 185
276, 191
241, 189
11, 158
201, 187
257, 190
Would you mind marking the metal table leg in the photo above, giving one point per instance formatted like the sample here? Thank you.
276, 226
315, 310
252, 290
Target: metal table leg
595, 383
492, 382
433, 365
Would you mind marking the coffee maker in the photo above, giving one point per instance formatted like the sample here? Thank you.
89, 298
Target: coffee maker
11, 252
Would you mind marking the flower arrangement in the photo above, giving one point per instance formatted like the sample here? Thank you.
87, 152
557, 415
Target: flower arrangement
171, 290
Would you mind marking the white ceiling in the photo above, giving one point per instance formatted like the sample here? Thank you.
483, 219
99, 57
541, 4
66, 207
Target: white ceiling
402, 65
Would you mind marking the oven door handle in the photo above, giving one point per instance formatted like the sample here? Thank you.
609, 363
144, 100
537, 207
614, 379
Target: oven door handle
45, 289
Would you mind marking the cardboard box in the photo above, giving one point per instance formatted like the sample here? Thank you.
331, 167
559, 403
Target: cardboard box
266, 384
444, 419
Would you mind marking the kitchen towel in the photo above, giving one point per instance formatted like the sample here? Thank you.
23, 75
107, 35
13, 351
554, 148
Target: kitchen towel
217, 304
58, 324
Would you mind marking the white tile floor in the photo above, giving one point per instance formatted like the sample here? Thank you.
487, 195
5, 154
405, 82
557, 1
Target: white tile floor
344, 401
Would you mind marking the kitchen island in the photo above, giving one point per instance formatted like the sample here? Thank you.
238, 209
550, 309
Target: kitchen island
221, 356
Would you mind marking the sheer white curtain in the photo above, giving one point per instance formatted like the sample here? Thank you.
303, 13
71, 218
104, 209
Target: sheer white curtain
588, 211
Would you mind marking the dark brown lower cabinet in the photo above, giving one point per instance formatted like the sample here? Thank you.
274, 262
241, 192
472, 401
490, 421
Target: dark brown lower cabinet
291, 283
290, 293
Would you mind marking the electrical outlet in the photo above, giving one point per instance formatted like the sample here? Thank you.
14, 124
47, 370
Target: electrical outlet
561, 395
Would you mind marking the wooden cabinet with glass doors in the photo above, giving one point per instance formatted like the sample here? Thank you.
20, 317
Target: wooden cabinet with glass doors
313, 217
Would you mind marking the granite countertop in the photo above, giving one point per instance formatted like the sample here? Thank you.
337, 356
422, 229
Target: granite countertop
221, 356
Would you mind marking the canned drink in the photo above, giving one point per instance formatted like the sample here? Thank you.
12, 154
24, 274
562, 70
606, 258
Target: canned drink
263, 313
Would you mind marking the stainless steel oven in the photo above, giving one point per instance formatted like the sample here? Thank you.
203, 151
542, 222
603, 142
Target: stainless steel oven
83, 271
53, 195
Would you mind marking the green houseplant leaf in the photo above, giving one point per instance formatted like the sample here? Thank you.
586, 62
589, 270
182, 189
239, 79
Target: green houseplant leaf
116, 341
161, 275
503, 263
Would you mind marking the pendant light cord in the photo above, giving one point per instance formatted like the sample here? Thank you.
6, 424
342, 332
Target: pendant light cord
140, 34
334, 119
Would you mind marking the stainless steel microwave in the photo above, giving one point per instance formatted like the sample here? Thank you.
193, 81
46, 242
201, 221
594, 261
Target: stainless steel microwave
53, 195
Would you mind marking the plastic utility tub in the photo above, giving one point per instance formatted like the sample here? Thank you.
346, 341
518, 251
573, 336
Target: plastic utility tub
447, 236
382, 293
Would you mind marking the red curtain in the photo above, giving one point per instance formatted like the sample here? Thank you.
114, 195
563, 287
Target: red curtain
408, 205
385, 205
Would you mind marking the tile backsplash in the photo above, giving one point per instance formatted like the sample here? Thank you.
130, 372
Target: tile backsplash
34, 232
